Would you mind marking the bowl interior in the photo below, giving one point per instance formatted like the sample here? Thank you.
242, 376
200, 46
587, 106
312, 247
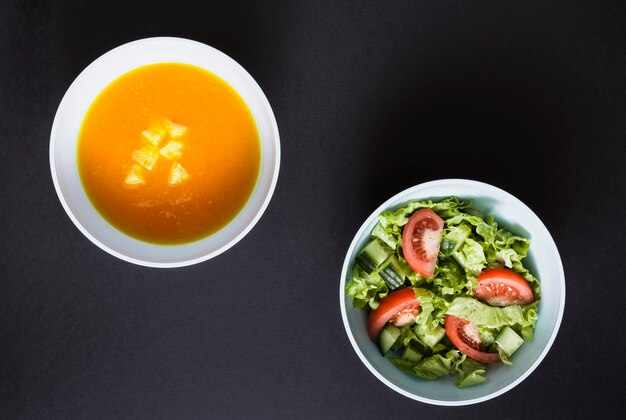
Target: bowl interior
66, 128
543, 260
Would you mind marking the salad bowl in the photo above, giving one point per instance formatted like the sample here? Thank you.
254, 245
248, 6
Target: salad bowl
543, 261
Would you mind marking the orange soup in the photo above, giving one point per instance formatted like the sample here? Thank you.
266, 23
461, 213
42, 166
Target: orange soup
169, 153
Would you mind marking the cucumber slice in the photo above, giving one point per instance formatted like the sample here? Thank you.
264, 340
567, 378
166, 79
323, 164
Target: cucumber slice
509, 341
438, 348
388, 336
431, 339
412, 353
391, 271
446, 247
373, 255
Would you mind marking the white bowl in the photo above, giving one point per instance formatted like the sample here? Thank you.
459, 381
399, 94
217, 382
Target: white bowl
543, 260
66, 127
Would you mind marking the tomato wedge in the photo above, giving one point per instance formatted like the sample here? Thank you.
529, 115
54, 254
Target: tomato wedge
503, 287
465, 337
420, 241
395, 307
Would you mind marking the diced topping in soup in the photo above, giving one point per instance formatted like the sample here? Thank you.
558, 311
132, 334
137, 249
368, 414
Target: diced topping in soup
155, 134
172, 150
175, 130
147, 156
178, 174
135, 176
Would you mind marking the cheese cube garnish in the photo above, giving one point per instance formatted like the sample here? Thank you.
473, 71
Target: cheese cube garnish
134, 177
178, 174
147, 156
172, 150
175, 130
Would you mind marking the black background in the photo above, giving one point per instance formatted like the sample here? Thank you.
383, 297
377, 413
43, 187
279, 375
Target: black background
371, 97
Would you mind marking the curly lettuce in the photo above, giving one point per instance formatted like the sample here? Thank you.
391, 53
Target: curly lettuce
470, 243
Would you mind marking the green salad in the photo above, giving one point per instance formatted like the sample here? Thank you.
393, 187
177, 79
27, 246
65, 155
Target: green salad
446, 290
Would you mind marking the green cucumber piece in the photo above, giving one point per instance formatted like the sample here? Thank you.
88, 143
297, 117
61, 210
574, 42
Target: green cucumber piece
446, 247
438, 348
420, 347
412, 353
373, 255
509, 341
388, 336
391, 271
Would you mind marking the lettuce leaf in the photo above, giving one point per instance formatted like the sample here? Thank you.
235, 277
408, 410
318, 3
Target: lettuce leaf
471, 257
450, 279
386, 236
438, 365
470, 372
453, 362
521, 318
531, 313
432, 367
366, 289
428, 326
457, 235
487, 230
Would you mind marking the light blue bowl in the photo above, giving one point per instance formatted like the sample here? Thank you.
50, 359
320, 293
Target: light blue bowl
543, 261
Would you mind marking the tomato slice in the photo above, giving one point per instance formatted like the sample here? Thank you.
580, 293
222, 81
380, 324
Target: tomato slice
397, 307
420, 241
503, 287
465, 337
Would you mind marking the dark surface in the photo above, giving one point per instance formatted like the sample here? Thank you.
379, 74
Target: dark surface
371, 97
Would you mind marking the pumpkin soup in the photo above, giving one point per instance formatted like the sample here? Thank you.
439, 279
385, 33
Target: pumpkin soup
169, 153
